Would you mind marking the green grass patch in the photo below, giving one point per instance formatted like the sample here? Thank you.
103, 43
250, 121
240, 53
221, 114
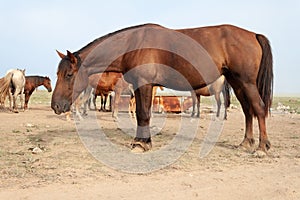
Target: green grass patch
40, 97
292, 102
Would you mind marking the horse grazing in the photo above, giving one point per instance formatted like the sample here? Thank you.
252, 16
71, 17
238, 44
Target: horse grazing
31, 83
181, 59
220, 85
13, 85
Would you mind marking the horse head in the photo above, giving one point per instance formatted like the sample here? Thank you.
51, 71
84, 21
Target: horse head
66, 74
47, 83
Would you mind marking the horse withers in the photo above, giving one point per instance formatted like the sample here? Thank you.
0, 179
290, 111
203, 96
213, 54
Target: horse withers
181, 59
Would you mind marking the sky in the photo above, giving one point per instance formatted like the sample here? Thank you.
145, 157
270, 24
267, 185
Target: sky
31, 30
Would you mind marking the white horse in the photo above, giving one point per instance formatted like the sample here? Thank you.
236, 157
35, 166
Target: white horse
12, 85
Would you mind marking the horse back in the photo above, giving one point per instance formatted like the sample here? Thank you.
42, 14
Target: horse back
227, 45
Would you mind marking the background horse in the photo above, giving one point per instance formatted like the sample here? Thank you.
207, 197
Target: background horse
13, 85
32, 82
220, 85
104, 83
244, 57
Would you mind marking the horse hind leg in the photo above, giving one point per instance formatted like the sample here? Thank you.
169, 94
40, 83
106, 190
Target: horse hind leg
198, 106
194, 103
217, 97
14, 101
22, 100
259, 110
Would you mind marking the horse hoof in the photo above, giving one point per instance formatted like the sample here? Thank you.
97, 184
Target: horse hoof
137, 149
140, 147
259, 154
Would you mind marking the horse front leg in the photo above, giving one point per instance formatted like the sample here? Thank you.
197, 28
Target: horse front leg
27, 96
142, 141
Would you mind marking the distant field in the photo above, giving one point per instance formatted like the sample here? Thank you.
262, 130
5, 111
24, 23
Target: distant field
44, 97
40, 97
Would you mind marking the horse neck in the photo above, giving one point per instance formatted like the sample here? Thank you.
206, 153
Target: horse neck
39, 81
85, 51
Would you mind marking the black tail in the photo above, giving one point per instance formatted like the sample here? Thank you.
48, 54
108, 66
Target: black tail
264, 80
226, 94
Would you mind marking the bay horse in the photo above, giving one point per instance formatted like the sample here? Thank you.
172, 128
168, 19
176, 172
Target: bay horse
215, 88
180, 59
13, 86
31, 83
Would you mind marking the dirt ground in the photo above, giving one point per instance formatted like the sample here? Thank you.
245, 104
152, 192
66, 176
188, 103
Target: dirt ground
62, 168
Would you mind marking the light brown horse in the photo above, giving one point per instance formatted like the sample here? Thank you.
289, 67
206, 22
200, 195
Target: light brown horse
102, 84
183, 59
32, 82
220, 85
107, 82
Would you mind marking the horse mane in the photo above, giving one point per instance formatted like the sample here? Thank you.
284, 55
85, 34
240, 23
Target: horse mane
100, 39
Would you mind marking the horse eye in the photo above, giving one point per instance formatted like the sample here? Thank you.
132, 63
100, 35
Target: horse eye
69, 75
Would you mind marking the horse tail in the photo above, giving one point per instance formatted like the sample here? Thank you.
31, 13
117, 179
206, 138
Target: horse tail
6, 84
264, 80
226, 93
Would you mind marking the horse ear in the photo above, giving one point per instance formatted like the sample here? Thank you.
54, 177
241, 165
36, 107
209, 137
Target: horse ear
72, 57
61, 55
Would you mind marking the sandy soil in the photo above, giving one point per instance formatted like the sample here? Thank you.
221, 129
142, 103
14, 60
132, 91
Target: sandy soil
64, 169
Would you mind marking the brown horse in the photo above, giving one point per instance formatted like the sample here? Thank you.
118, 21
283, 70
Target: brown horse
32, 82
102, 84
106, 82
220, 85
183, 59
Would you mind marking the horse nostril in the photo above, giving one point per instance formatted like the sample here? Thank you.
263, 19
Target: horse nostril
66, 107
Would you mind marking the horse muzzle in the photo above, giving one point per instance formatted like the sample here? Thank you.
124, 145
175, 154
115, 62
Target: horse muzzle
60, 107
